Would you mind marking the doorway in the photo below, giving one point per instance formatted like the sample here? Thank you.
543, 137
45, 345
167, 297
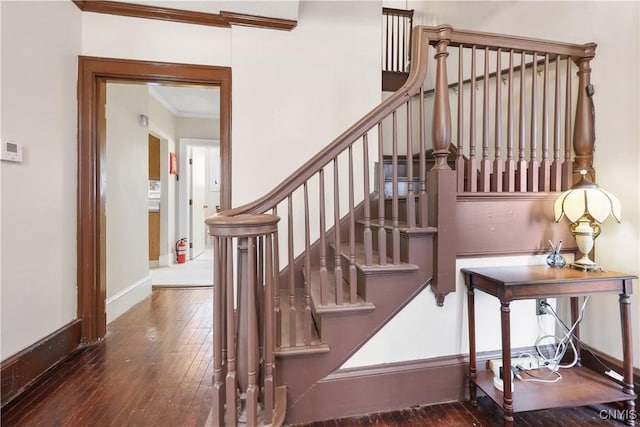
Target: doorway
93, 73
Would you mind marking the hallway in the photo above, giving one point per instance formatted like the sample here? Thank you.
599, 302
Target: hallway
196, 272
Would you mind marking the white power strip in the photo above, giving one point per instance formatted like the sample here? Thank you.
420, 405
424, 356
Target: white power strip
522, 362
497, 383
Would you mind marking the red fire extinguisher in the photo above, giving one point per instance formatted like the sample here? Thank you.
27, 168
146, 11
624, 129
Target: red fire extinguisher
181, 250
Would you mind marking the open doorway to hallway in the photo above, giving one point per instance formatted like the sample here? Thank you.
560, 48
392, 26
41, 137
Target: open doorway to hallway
162, 173
93, 73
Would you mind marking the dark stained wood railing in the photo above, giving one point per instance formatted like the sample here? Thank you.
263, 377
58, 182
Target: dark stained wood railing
276, 313
541, 165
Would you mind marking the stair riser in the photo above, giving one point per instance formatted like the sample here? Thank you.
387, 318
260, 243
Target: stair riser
413, 250
388, 210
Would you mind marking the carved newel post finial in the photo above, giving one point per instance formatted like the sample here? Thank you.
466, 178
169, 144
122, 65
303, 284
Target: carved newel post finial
441, 129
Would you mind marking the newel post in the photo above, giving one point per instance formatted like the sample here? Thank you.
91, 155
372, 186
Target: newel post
584, 133
243, 359
441, 179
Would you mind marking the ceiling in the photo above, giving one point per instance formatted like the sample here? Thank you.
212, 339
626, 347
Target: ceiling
188, 101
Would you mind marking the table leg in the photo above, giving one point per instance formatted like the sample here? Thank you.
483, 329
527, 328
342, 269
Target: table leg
625, 320
507, 404
472, 345
575, 313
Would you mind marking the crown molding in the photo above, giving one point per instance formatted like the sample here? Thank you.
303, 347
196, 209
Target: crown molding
247, 20
223, 19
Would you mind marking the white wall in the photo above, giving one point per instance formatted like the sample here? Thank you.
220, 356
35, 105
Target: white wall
162, 123
38, 225
423, 330
127, 229
294, 92
614, 26
198, 128
113, 36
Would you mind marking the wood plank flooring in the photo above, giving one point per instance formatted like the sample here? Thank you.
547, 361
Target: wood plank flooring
154, 368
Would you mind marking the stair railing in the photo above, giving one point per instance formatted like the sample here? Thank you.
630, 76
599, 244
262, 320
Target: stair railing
397, 25
513, 101
261, 309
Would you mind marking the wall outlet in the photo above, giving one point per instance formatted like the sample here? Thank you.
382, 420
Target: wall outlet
541, 307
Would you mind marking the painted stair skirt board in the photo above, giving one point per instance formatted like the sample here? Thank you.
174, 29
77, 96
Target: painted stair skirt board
118, 304
379, 388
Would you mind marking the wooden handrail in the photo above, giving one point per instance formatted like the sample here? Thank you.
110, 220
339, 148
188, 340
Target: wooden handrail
518, 44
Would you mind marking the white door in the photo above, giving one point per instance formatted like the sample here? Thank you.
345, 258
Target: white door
197, 202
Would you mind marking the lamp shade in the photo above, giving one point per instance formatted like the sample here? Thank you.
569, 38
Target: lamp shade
587, 198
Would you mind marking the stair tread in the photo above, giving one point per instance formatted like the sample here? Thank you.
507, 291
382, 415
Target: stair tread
360, 305
374, 267
315, 345
402, 226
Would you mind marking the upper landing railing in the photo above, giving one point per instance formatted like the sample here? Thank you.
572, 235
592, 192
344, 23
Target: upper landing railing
397, 25
513, 101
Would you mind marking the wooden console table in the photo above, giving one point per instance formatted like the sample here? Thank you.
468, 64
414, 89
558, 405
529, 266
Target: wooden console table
579, 385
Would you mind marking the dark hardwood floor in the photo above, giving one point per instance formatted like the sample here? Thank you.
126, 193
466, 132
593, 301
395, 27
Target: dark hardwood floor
154, 369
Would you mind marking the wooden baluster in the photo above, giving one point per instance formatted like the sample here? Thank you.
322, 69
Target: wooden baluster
276, 285
485, 164
307, 269
337, 269
291, 275
422, 198
472, 172
252, 388
510, 167
404, 45
460, 161
218, 336
556, 166
533, 172
269, 327
324, 279
567, 165
382, 234
386, 45
223, 294
231, 391
367, 237
395, 233
498, 165
259, 298
352, 235
583, 134
393, 43
521, 179
411, 197
545, 164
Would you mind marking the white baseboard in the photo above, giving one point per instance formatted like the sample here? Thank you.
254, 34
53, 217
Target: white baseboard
127, 298
165, 260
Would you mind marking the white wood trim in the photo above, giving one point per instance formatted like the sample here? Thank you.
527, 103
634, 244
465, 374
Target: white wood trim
118, 304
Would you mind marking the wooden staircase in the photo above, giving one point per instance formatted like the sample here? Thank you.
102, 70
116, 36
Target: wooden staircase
306, 274
381, 292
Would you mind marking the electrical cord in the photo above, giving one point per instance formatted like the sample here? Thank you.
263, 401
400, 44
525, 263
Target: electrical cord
536, 378
564, 343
